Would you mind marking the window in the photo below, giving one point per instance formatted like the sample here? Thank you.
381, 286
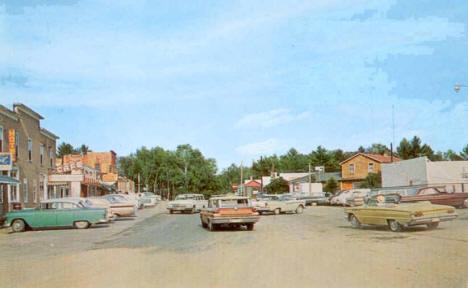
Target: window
1, 138
29, 149
428, 191
16, 145
41, 150
371, 167
14, 190
3, 188
41, 187
351, 168
25, 190
34, 191
51, 157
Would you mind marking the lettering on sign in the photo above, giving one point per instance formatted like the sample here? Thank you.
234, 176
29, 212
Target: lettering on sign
12, 144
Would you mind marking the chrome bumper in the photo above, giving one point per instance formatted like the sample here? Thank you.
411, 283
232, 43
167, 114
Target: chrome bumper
263, 209
431, 219
234, 220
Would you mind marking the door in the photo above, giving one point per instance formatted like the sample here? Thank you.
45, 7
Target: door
44, 217
66, 214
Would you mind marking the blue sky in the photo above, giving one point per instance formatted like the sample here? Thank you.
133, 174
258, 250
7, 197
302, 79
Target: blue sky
237, 79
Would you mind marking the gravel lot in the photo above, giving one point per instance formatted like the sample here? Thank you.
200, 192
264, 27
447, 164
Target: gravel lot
315, 249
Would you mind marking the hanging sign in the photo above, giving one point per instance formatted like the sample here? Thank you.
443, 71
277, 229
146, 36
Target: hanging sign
6, 162
12, 144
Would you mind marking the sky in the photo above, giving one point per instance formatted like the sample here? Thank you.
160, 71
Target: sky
239, 79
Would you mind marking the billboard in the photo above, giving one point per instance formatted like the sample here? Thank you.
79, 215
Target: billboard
12, 144
6, 161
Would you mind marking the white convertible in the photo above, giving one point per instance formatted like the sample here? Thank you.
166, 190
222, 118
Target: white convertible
187, 203
279, 204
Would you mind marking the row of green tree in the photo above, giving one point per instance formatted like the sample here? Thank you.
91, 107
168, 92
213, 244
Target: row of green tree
187, 170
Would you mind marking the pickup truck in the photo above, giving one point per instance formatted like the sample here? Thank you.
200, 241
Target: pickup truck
235, 211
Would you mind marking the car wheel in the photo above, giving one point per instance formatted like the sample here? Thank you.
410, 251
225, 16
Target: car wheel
211, 226
394, 226
299, 209
81, 224
433, 225
277, 211
18, 225
354, 222
171, 211
203, 224
250, 226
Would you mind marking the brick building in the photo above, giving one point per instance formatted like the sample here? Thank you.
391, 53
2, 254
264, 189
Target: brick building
33, 150
105, 162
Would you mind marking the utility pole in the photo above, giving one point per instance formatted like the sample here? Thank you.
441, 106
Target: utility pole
241, 188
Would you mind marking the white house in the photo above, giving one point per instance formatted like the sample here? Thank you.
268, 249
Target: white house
422, 171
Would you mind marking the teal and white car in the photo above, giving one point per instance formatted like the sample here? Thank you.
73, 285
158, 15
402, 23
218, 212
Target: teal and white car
56, 213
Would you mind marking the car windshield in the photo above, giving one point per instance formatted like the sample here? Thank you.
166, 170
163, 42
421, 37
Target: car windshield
384, 200
185, 197
229, 203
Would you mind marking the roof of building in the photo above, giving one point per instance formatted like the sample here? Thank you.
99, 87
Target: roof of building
375, 157
8, 113
27, 110
319, 177
49, 134
253, 183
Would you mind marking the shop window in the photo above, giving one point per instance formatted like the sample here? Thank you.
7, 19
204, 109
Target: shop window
29, 149
25, 190
3, 188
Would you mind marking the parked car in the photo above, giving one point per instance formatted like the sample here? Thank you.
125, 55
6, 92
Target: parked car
436, 195
187, 203
151, 198
233, 211
280, 204
317, 200
121, 206
57, 213
340, 198
94, 202
357, 197
385, 209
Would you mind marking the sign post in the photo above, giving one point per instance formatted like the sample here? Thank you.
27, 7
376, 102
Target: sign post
12, 144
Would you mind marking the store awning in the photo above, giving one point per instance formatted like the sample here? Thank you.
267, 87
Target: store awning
8, 180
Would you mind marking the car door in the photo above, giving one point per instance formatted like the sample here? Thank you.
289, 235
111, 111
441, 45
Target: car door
45, 216
66, 214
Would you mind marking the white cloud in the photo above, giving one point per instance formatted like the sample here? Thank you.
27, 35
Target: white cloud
269, 119
267, 147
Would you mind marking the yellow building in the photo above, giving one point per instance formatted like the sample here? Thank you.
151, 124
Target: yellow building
356, 168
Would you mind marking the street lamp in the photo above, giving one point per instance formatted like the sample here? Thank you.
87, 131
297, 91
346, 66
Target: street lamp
457, 86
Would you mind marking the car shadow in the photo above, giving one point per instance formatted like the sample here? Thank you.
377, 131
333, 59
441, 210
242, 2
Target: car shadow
129, 218
385, 228
226, 229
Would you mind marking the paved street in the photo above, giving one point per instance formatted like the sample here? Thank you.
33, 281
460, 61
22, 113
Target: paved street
315, 249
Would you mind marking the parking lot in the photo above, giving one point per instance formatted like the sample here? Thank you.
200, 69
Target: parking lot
315, 249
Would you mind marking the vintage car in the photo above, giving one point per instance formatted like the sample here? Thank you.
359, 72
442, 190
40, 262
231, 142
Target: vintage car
436, 195
340, 198
187, 203
57, 213
94, 202
280, 204
314, 200
234, 211
148, 199
386, 209
120, 205
357, 197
